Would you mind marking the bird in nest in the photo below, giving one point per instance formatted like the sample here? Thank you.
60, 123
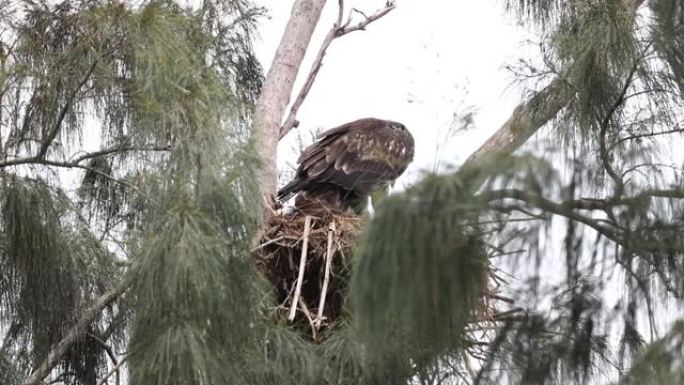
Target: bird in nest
348, 163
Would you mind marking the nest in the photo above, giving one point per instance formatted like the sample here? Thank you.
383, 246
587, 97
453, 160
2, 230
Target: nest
305, 256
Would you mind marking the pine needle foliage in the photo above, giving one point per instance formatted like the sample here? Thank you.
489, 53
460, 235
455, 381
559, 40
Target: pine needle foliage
662, 361
596, 50
542, 12
196, 294
415, 286
668, 33
166, 205
51, 268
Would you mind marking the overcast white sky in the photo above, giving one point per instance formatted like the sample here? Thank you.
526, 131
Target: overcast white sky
420, 64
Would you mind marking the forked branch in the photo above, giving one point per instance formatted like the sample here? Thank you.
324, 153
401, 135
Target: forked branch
338, 30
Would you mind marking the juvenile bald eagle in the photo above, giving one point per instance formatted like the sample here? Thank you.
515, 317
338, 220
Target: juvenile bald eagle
348, 163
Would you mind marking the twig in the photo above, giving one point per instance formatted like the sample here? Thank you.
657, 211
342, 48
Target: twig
361, 26
500, 298
603, 150
119, 149
326, 277
268, 243
302, 266
309, 317
338, 30
115, 369
104, 346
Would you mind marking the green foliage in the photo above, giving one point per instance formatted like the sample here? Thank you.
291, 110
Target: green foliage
285, 358
543, 12
565, 345
168, 204
596, 51
195, 292
420, 271
668, 36
661, 362
50, 267
167, 90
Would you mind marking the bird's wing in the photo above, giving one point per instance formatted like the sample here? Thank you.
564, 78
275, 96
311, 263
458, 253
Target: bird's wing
359, 158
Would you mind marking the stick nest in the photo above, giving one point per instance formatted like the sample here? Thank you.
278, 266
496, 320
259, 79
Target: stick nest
331, 234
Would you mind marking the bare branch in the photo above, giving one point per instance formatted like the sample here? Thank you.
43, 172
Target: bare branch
361, 26
61, 164
326, 276
115, 369
119, 149
302, 267
338, 29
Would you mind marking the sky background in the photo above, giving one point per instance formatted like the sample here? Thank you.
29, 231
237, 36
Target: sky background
422, 64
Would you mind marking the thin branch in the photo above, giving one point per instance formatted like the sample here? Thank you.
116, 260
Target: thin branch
73, 334
619, 184
646, 135
54, 163
62, 114
302, 267
115, 369
361, 26
337, 30
103, 344
612, 232
326, 276
119, 149
550, 206
110, 353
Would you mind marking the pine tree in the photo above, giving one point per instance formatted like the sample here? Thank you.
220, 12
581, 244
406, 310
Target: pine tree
129, 186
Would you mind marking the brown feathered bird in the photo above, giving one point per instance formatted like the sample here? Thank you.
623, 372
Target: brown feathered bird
348, 163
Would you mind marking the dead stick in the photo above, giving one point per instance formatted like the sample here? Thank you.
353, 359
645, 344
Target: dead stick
336, 31
115, 369
326, 277
307, 313
302, 265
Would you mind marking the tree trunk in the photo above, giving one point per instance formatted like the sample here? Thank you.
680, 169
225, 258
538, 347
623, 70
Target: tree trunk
277, 89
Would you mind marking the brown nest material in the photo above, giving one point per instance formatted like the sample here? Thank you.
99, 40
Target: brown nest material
320, 239
323, 240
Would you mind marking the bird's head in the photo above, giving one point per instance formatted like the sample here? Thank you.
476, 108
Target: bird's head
396, 125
